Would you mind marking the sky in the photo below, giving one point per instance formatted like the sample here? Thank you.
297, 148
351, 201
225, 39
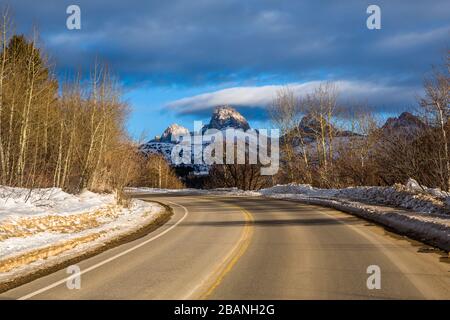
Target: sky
178, 59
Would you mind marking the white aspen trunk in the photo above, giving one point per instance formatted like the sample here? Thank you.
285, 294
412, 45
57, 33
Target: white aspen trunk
26, 120
159, 173
9, 163
84, 179
32, 176
46, 125
330, 136
57, 174
3, 167
67, 160
102, 141
323, 140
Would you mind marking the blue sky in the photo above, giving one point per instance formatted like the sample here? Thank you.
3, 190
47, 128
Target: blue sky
178, 59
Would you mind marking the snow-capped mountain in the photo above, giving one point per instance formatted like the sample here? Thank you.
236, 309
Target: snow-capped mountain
227, 117
222, 118
172, 133
163, 145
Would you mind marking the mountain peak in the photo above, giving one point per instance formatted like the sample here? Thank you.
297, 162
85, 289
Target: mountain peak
310, 124
405, 123
174, 130
227, 117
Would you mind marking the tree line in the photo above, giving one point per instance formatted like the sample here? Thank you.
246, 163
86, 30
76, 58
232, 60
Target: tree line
328, 144
345, 145
71, 134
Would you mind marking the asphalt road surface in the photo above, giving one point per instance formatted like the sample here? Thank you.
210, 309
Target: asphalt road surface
254, 248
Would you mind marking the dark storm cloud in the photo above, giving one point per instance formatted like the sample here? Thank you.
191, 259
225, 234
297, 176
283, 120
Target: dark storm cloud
207, 40
195, 42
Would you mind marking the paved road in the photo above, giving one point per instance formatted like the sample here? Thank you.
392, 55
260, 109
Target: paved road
253, 248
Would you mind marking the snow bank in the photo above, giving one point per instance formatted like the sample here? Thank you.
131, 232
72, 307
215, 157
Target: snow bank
419, 212
40, 228
411, 196
15, 202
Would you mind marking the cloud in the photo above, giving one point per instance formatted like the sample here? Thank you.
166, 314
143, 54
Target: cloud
416, 39
195, 43
252, 99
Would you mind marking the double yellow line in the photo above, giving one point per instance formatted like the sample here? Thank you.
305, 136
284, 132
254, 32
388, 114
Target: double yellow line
233, 257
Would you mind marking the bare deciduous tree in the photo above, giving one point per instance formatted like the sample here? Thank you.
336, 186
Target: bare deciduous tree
436, 102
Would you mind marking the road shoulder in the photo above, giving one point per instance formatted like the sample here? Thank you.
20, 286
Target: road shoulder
34, 272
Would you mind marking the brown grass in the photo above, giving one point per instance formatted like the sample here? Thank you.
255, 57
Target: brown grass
25, 227
46, 252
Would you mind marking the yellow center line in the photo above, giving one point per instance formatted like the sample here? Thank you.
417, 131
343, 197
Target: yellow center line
231, 259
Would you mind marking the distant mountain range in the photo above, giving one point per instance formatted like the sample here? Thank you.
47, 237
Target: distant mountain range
224, 117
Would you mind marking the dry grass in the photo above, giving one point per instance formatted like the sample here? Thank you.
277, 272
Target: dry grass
43, 253
25, 227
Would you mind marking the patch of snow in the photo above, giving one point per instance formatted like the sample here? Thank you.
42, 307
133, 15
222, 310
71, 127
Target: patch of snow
173, 133
41, 218
16, 202
227, 117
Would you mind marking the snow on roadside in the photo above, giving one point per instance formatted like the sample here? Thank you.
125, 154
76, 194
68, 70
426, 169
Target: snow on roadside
418, 212
145, 190
190, 191
15, 202
411, 196
43, 227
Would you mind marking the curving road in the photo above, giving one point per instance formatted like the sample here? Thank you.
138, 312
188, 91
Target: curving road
253, 248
